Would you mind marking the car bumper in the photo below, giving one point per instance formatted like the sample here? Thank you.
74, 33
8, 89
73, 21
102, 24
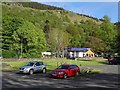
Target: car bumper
56, 75
23, 71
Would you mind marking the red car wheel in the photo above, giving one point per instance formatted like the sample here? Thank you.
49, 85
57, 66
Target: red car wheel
65, 76
77, 73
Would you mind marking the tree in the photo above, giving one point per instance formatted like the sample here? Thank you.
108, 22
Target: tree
106, 18
75, 32
72, 30
46, 29
117, 44
29, 41
75, 41
95, 43
58, 40
90, 35
9, 25
108, 33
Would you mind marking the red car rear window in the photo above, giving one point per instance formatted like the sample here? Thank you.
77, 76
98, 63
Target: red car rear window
63, 67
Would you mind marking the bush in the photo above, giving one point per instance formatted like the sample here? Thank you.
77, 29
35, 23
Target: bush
89, 71
8, 54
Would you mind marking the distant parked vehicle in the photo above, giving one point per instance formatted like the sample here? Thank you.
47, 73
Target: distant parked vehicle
32, 67
64, 71
114, 60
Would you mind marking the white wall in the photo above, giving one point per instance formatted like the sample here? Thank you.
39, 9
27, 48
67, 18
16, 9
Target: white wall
71, 54
46, 53
80, 54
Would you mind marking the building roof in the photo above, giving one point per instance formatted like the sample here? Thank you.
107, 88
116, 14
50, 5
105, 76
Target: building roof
78, 49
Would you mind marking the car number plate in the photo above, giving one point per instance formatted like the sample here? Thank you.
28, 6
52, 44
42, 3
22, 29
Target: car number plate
54, 74
21, 71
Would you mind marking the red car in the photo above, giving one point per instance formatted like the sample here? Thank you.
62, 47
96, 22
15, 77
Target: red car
65, 70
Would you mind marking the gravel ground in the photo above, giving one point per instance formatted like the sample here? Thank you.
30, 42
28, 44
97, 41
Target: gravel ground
108, 78
106, 69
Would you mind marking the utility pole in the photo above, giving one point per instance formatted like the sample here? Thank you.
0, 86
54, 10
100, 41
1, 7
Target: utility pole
21, 47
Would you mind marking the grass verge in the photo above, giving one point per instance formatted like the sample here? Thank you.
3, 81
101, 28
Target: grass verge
52, 64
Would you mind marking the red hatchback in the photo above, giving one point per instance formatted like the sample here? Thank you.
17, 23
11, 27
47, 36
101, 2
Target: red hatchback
65, 70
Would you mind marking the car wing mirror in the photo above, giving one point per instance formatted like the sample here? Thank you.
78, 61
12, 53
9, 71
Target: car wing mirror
34, 65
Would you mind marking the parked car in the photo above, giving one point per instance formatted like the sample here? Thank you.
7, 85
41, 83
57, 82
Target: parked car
114, 60
32, 67
64, 71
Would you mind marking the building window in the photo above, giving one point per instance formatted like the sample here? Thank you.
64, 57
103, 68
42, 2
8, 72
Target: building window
87, 55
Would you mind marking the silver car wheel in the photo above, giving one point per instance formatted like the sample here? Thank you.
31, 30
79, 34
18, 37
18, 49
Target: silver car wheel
31, 72
44, 70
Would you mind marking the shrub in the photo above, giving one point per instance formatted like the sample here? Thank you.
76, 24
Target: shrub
8, 54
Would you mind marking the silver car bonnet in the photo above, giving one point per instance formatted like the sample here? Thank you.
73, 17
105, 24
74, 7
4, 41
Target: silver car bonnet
26, 66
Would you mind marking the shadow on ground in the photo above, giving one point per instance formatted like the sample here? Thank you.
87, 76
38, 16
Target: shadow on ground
40, 81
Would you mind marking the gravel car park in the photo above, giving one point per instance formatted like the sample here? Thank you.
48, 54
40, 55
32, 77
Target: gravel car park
108, 78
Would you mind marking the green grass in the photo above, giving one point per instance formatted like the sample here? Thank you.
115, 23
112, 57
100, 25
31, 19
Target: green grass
14, 65
52, 64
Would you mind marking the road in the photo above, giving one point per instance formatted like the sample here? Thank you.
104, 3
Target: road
108, 78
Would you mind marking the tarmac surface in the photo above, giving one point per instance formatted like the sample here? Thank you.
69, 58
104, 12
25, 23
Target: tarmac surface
109, 78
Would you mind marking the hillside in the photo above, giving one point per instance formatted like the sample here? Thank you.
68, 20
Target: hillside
73, 16
38, 27
34, 5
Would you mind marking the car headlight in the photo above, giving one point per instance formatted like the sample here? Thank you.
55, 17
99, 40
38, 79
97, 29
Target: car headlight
26, 69
60, 72
21, 68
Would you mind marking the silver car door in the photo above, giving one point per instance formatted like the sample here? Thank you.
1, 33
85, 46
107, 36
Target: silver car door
37, 66
41, 66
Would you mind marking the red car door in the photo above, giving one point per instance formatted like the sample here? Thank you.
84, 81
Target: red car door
75, 70
72, 71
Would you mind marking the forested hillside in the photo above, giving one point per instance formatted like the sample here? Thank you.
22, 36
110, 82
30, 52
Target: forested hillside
29, 30
34, 5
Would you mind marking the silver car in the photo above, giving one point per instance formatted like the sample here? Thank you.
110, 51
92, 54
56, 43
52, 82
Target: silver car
32, 67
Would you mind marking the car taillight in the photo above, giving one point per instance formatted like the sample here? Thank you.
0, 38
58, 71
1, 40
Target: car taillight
110, 58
